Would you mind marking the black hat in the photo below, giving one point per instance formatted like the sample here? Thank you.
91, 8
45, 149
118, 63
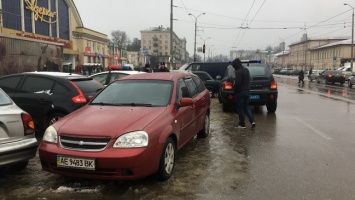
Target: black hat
162, 63
147, 65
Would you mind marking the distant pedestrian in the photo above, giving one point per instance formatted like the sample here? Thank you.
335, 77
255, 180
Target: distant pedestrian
310, 71
301, 77
147, 68
241, 88
162, 68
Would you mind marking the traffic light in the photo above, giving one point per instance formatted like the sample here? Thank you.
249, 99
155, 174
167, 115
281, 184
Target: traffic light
203, 49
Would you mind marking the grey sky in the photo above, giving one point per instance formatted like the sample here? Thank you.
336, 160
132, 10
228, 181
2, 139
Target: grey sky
269, 21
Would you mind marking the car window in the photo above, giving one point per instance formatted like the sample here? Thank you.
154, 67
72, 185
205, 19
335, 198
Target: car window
182, 90
4, 99
115, 76
129, 92
88, 86
196, 67
34, 84
59, 89
9, 84
257, 71
200, 85
193, 90
201, 76
101, 78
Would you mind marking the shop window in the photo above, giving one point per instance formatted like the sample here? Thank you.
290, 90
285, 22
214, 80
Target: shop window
63, 16
42, 27
11, 13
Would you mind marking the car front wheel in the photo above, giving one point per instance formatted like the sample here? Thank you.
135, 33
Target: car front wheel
271, 107
167, 160
206, 129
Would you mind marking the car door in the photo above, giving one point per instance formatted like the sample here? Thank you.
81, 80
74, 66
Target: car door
185, 115
33, 96
201, 102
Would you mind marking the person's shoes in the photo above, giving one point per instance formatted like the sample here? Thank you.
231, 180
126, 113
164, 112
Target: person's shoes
253, 125
241, 126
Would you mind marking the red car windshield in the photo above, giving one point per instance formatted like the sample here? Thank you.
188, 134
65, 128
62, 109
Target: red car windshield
136, 93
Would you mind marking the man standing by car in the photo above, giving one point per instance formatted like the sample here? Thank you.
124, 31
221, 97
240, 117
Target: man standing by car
242, 93
162, 68
301, 77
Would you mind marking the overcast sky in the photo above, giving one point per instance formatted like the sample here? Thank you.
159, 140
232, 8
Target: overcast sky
230, 24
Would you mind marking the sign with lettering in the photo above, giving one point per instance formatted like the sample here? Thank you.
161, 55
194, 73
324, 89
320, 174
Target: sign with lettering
40, 12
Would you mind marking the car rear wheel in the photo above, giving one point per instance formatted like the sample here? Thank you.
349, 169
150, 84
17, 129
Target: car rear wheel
167, 160
350, 84
53, 118
225, 107
271, 107
206, 128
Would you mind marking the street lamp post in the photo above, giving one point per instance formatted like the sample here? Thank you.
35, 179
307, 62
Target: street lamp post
195, 33
352, 39
204, 43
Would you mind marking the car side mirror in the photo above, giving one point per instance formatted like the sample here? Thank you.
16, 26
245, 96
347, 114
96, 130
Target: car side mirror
218, 77
186, 102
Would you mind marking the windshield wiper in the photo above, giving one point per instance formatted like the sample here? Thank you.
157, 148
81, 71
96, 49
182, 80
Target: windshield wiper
103, 104
133, 104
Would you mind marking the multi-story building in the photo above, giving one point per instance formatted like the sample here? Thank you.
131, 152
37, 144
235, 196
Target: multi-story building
317, 53
55, 27
156, 43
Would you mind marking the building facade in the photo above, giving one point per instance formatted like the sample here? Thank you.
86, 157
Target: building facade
56, 22
156, 46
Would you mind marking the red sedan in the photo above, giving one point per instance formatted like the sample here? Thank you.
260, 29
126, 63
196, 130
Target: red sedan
132, 129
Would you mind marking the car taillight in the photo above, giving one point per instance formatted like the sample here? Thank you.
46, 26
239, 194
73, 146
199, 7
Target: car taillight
79, 98
28, 124
273, 85
330, 75
343, 75
228, 86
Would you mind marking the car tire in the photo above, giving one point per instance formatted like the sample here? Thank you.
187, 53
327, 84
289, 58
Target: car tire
53, 118
350, 85
206, 128
167, 160
271, 107
20, 166
219, 98
341, 83
225, 107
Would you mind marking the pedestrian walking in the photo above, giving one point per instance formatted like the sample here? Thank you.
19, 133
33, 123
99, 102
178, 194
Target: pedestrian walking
162, 68
241, 89
301, 77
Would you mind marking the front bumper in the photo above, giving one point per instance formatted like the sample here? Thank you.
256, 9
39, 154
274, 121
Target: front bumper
110, 164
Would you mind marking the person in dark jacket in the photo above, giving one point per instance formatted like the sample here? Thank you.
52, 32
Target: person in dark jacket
162, 68
301, 77
242, 93
147, 68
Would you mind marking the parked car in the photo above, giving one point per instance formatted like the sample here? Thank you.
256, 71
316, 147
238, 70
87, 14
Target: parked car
314, 75
351, 80
18, 143
211, 84
331, 76
263, 87
215, 69
48, 96
347, 75
109, 76
130, 130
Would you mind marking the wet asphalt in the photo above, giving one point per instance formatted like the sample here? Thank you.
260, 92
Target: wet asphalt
303, 151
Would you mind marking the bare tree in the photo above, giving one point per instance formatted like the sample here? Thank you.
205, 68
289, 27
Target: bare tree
119, 37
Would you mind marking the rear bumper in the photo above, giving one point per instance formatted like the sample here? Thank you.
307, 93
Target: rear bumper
266, 97
18, 151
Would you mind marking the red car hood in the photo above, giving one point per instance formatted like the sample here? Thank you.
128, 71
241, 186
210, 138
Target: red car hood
111, 121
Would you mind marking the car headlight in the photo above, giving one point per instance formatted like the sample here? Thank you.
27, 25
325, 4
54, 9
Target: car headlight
132, 140
50, 135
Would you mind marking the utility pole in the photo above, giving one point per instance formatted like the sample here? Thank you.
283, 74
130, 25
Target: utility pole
352, 40
171, 36
195, 33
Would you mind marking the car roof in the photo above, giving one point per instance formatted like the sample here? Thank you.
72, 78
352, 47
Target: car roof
169, 76
129, 72
64, 75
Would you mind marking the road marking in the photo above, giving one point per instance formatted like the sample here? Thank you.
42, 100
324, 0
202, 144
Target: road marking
320, 133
